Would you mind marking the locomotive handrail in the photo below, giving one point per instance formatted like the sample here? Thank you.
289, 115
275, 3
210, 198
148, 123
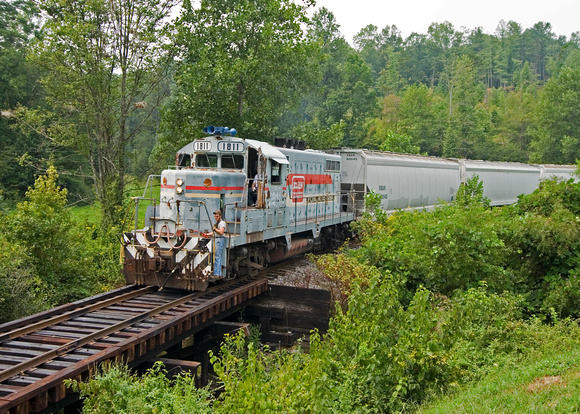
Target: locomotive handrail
212, 252
227, 227
147, 184
136, 214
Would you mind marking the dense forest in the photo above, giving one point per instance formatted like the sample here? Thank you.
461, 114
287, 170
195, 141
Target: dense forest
107, 92
96, 95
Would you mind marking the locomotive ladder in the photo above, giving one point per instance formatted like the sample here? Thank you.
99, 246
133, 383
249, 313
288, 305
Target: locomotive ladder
129, 324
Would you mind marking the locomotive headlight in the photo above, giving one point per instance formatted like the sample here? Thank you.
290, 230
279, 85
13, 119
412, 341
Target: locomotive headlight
179, 190
179, 182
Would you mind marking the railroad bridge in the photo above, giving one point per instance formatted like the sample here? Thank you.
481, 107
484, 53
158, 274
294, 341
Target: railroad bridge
135, 325
130, 324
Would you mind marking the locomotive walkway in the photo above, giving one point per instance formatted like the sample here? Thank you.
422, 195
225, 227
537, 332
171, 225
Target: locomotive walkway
130, 324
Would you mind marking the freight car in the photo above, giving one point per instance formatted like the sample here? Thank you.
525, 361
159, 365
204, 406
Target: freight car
414, 181
297, 208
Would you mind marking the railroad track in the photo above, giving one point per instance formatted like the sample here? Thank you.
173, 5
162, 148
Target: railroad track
130, 324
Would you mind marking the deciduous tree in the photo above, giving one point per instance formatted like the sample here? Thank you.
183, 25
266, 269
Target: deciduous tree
557, 135
244, 64
105, 63
17, 86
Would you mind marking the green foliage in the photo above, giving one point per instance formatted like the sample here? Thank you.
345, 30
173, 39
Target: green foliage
556, 136
345, 91
385, 139
511, 114
20, 293
60, 260
482, 329
544, 379
114, 389
98, 256
421, 115
397, 356
398, 143
105, 65
467, 121
379, 355
383, 356
451, 248
43, 225
270, 382
343, 271
243, 65
530, 248
543, 229
18, 85
470, 193
318, 137
373, 219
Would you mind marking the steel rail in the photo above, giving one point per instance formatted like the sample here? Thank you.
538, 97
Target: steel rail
71, 314
42, 388
47, 356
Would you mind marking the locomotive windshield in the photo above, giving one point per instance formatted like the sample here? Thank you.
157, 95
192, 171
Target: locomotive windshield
206, 160
184, 160
235, 161
228, 161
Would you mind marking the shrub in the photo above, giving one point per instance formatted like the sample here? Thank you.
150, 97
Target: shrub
379, 355
42, 226
20, 284
260, 381
70, 260
114, 389
530, 248
453, 247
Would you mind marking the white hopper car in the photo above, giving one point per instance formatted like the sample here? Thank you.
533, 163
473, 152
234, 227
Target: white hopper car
415, 181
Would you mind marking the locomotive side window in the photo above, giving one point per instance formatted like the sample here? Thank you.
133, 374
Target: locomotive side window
235, 161
275, 173
206, 160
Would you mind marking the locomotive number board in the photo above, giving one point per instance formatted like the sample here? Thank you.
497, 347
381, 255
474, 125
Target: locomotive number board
202, 146
225, 146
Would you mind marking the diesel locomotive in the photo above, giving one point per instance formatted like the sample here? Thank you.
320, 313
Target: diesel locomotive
298, 207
